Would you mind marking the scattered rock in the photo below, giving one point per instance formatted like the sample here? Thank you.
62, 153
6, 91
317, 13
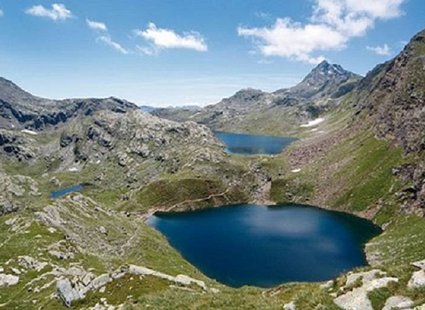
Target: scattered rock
30, 263
419, 264
8, 279
289, 306
398, 302
417, 280
67, 292
100, 281
103, 230
327, 285
61, 255
357, 298
180, 279
7, 206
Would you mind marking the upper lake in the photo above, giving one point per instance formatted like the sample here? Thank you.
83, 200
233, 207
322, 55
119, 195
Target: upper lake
266, 246
246, 144
67, 190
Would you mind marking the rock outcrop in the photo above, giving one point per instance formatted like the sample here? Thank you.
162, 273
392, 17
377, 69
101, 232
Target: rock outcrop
357, 297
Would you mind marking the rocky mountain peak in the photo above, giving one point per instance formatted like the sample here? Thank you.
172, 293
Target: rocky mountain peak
327, 69
324, 79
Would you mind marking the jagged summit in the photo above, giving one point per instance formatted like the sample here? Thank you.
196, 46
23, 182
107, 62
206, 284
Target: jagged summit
324, 79
327, 69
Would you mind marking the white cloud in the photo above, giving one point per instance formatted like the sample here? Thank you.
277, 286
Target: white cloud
57, 12
109, 42
96, 25
162, 38
332, 24
383, 50
105, 38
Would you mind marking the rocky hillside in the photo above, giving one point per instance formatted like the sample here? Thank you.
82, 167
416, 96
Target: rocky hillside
393, 98
93, 250
368, 155
280, 112
19, 109
394, 95
109, 144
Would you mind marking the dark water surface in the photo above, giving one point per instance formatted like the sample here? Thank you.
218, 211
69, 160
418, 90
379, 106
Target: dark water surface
245, 144
265, 246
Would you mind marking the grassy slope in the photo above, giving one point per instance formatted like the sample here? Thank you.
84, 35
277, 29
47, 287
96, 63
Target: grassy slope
354, 183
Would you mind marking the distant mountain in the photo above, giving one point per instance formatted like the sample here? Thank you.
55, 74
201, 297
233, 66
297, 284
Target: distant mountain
20, 109
253, 110
147, 108
325, 80
179, 114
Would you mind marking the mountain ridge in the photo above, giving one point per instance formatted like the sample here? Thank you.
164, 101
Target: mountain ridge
20, 109
319, 91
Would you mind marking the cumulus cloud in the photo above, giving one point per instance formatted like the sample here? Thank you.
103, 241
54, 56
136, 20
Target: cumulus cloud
331, 25
383, 50
106, 39
57, 12
162, 38
96, 25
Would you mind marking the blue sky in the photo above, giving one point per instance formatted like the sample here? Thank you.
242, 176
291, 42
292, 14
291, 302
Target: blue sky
169, 52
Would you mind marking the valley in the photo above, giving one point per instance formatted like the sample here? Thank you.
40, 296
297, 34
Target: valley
356, 146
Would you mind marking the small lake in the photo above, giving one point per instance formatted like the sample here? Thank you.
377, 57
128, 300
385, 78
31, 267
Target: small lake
245, 144
66, 191
266, 246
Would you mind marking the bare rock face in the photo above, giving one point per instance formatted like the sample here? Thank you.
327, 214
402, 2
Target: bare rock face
394, 95
398, 302
8, 279
135, 137
13, 187
357, 298
19, 109
7, 206
417, 280
17, 144
325, 80
67, 292
29, 262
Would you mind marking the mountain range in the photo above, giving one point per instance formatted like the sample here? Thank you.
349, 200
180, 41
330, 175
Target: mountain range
279, 112
360, 150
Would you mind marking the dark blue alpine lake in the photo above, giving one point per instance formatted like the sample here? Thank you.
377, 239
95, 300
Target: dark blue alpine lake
245, 144
266, 246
